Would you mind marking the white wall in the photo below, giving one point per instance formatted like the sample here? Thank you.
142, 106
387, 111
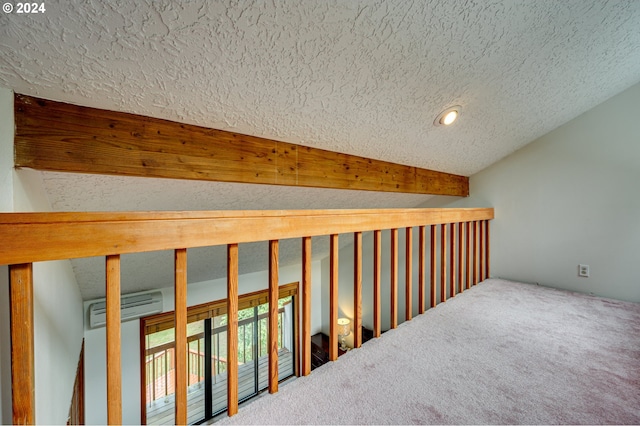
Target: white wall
570, 197
6, 205
95, 340
6, 150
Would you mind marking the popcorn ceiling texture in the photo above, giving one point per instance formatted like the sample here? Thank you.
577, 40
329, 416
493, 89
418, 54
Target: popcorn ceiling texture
362, 77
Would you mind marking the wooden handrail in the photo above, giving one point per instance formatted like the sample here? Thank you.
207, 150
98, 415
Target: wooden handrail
60, 236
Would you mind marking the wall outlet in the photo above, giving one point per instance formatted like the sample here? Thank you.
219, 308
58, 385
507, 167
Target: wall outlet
583, 270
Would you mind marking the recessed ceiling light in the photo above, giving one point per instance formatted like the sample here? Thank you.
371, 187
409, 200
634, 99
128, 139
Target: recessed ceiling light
448, 116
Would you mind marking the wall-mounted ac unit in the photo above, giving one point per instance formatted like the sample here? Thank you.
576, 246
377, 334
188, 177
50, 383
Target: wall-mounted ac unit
131, 307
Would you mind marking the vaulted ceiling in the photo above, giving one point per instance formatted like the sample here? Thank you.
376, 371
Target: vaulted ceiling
361, 77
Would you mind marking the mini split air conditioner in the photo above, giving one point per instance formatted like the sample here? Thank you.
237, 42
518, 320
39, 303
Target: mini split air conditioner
131, 307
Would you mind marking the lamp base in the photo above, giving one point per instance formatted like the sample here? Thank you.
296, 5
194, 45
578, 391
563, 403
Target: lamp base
343, 346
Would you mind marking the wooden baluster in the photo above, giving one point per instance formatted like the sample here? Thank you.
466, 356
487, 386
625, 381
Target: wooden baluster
486, 261
408, 273
357, 289
377, 266
443, 262
433, 266
189, 357
460, 259
199, 365
181, 372
22, 348
452, 261
114, 369
393, 286
232, 329
153, 387
475, 252
306, 306
421, 268
467, 256
481, 250
273, 316
296, 334
333, 298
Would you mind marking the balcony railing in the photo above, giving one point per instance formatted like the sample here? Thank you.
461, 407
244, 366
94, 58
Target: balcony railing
33, 237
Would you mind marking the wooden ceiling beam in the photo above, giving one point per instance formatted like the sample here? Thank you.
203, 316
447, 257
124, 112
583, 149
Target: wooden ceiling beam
56, 136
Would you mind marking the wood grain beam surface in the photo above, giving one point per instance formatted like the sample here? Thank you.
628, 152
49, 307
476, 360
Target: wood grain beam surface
56, 136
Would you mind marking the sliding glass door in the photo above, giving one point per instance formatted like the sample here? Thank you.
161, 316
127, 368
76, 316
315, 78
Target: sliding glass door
207, 362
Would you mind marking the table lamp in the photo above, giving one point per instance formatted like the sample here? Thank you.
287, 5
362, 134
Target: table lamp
344, 329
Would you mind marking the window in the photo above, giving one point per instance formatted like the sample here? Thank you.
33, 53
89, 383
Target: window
207, 340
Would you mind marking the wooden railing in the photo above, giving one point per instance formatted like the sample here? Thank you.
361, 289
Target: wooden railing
33, 237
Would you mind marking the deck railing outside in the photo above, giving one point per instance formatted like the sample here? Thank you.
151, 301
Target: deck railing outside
160, 366
33, 237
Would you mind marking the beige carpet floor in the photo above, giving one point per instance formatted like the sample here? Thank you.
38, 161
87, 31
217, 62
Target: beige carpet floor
500, 353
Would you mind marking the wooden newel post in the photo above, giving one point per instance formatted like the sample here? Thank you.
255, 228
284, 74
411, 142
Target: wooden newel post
408, 273
180, 295
273, 316
114, 363
22, 348
393, 297
333, 298
377, 267
232, 329
357, 289
421, 269
306, 306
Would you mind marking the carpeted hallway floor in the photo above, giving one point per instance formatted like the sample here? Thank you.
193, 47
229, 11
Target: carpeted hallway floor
500, 353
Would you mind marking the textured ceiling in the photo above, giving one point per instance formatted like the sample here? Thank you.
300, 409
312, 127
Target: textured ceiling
362, 77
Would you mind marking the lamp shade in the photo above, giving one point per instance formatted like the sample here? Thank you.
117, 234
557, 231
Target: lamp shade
344, 326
